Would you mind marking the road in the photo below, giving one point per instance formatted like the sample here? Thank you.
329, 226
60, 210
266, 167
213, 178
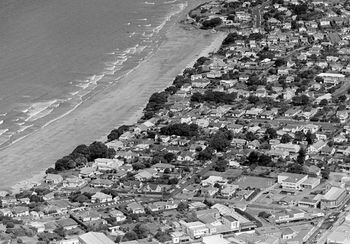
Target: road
257, 14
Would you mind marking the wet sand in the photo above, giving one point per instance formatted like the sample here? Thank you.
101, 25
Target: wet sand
121, 104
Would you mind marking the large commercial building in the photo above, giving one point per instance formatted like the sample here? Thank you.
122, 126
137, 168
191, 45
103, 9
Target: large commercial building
333, 198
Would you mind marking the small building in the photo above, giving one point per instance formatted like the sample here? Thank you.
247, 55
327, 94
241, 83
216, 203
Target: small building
100, 197
67, 224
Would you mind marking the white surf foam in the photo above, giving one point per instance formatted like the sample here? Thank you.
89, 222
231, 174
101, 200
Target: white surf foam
35, 110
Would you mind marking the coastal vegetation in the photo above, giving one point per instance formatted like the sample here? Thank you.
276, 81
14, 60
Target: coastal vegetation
83, 154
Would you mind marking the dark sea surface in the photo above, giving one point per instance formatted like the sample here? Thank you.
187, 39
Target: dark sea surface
54, 54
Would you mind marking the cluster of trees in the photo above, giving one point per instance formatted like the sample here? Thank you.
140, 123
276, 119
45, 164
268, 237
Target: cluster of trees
156, 102
300, 100
80, 197
232, 37
116, 133
83, 154
206, 154
140, 231
221, 140
211, 23
214, 96
256, 158
163, 236
221, 165
180, 130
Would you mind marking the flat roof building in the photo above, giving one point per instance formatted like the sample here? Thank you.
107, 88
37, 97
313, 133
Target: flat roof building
333, 198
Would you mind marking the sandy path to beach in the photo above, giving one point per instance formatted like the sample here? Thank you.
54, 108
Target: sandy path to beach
105, 111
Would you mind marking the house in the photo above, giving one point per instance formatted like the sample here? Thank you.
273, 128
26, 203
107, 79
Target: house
268, 114
209, 191
235, 128
211, 180
20, 211
229, 190
53, 179
104, 183
100, 197
38, 226
316, 147
288, 233
161, 167
239, 143
237, 113
67, 224
118, 215
106, 164
145, 174
87, 172
292, 112
88, 216
200, 83
6, 212
152, 188
135, 208
287, 147
73, 182
342, 116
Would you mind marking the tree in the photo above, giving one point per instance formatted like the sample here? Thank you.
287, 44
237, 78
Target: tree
271, 133
206, 154
325, 172
323, 102
253, 157
211, 23
301, 156
180, 130
116, 133
141, 231
310, 138
250, 136
182, 207
100, 150
300, 100
130, 236
264, 215
221, 165
299, 136
173, 181
286, 138
81, 150
169, 157
162, 236
220, 141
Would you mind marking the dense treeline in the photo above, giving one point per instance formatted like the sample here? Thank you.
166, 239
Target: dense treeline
159, 100
83, 154
211, 23
180, 130
116, 133
214, 96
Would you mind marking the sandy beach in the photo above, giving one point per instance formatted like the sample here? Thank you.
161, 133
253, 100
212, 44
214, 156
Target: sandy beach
121, 104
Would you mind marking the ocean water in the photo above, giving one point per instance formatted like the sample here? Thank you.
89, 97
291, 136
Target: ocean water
55, 53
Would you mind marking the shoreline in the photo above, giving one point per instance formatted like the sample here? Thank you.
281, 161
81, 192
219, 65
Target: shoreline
25, 162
